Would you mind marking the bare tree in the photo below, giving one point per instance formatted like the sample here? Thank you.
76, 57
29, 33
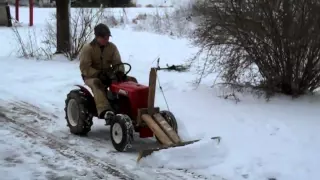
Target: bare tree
63, 25
28, 46
82, 21
268, 44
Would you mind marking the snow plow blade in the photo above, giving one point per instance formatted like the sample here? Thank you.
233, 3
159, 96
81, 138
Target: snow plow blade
147, 152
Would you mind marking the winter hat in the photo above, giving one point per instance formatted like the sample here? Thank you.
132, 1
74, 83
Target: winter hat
102, 30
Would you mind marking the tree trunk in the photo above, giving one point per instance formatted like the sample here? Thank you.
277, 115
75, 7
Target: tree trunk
63, 26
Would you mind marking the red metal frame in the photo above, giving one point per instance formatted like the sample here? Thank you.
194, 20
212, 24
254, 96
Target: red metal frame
31, 4
136, 93
136, 98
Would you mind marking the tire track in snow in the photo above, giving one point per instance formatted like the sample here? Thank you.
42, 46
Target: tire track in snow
63, 149
34, 152
60, 144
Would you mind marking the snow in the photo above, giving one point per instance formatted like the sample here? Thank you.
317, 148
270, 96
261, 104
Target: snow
260, 140
23, 157
185, 157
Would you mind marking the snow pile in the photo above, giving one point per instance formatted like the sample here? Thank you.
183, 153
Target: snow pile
199, 155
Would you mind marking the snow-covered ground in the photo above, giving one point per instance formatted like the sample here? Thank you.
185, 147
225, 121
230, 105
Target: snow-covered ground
260, 140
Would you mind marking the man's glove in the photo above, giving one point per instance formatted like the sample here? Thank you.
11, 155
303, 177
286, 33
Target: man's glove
121, 76
104, 78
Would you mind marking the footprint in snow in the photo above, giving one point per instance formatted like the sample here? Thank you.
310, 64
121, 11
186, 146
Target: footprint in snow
12, 160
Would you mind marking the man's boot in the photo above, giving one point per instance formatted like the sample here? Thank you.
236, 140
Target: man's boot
109, 116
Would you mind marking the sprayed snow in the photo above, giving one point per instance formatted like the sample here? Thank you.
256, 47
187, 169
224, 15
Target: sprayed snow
260, 140
199, 155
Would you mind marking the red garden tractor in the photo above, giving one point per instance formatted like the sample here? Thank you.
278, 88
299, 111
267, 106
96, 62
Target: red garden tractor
135, 113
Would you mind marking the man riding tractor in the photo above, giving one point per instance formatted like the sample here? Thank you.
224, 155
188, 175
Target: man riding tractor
96, 59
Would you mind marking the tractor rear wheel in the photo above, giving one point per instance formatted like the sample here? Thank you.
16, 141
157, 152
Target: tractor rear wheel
171, 120
121, 132
79, 120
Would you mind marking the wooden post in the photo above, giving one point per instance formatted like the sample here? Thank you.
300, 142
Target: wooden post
17, 10
166, 128
156, 130
31, 12
9, 23
63, 26
152, 90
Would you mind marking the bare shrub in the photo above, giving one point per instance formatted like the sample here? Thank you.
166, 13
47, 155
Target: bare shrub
28, 46
270, 45
110, 18
184, 23
111, 21
82, 21
116, 19
174, 22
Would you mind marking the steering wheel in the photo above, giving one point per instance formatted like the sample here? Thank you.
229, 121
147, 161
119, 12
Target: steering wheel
115, 68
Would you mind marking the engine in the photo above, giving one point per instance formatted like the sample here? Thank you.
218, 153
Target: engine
136, 95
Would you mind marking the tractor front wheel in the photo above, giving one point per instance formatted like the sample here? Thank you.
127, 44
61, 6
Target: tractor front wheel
121, 132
